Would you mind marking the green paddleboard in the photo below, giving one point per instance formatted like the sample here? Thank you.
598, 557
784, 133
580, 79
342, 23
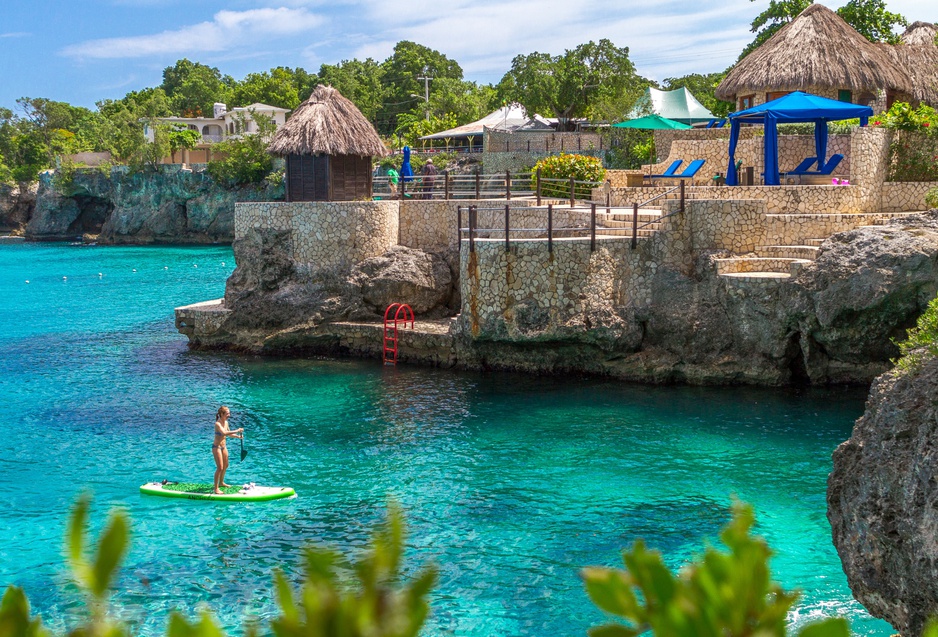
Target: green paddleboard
204, 491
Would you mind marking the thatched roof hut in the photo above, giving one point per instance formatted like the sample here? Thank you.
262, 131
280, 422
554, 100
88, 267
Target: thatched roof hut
920, 33
816, 52
328, 145
920, 62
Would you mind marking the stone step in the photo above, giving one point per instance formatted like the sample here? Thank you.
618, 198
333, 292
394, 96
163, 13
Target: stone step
748, 265
756, 277
608, 223
814, 242
642, 233
808, 252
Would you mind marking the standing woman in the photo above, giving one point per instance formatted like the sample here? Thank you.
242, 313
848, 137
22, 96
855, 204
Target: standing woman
219, 449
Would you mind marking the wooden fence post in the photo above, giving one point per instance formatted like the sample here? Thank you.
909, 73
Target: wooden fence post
592, 227
507, 244
550, 227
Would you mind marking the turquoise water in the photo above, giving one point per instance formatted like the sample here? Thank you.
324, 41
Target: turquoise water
510, 484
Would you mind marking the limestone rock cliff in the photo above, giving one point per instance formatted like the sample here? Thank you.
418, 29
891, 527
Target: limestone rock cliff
833, 323
882, 498
16, 207
276, 303
170, 206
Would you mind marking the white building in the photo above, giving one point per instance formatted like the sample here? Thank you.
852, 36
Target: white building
224, 123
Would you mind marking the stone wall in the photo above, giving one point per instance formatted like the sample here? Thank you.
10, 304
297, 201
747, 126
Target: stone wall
903, 196
547, 142
327, 234
778, 199
519, 151
431, 225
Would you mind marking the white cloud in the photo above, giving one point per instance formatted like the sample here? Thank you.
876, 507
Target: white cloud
227, 30
15, 34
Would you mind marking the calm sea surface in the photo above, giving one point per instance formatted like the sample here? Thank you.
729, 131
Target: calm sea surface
510, 484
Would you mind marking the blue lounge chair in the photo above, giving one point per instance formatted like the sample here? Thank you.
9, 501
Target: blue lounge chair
690, 171
804, 168
671, 170
721, 123
831, 164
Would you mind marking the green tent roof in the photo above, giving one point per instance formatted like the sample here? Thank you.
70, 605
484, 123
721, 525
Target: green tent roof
679, 105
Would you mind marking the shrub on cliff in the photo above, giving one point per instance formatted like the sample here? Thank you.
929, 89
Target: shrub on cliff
922, 340
931, 198
915, 145
557, 170
244, 159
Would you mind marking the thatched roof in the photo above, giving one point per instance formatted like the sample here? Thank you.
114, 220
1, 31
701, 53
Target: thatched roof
327, 124
920, 62
815, 50
920, 33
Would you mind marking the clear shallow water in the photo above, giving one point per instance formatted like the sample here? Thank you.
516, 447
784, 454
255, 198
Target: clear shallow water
510, 484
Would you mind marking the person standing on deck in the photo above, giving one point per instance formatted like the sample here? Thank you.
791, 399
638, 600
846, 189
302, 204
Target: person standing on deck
428, 174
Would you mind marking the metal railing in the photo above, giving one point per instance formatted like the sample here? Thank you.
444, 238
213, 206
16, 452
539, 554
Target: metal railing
472, 231
489, 186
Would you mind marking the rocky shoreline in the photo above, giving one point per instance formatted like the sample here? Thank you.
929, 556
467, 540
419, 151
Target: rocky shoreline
117, 206
833, 323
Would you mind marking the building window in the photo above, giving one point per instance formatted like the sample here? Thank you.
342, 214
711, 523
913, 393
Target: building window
843, 95
746, 102
774, 95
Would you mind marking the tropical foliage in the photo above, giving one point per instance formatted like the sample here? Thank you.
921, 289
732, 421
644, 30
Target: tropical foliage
593, 79
725, 594
557, 171
915, 142
244, 159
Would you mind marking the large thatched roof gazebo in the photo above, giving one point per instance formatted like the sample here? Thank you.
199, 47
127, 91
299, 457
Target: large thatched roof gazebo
920, 33
819, 53
918, 56
328, 145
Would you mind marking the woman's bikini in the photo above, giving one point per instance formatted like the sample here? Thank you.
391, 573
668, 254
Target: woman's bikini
219, 444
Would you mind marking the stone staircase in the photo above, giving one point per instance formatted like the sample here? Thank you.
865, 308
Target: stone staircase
619, 223
785, 259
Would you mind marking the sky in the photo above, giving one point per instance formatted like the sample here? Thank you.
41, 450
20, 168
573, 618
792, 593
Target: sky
82, 51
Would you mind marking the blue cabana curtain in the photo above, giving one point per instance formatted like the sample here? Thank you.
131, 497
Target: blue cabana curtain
771, 150
820, 143
731, 169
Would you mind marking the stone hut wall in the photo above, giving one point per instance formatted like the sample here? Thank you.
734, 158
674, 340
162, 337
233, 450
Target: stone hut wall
327, 234
519, 151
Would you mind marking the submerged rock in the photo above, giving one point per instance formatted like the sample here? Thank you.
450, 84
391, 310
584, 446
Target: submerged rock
882, 499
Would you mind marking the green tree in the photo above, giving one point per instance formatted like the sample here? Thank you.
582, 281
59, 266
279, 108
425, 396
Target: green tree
362, 82
278, 87
871, 19
245, 158
579, 83
407, 63
466, 101
412, 126
181, 138
125, 118
193, 88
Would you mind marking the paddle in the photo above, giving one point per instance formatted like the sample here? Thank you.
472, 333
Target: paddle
244, 454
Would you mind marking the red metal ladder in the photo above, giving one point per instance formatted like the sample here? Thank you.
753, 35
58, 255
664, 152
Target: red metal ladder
402, 314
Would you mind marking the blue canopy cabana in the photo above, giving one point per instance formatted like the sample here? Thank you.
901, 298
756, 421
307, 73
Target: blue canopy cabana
791, 108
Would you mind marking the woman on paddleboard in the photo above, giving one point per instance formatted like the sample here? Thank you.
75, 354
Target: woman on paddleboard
219, 449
